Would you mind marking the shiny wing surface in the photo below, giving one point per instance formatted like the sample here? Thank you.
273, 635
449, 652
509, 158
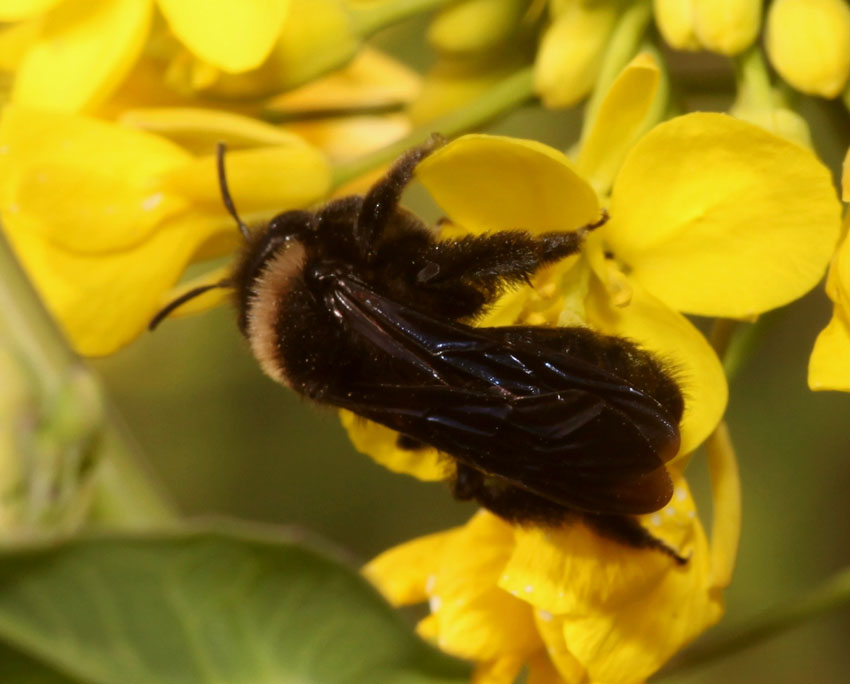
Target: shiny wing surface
542, 419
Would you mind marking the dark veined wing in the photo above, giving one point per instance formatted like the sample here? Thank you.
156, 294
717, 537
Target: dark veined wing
542, 419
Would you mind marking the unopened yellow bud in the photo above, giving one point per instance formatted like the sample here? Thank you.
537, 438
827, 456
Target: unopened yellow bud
675, 20
808, 42
726, 26
571, 52
475, 25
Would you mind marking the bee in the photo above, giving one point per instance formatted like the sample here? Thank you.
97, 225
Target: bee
359, 306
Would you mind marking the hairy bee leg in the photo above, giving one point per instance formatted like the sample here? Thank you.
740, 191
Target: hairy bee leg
379, 204
496, 259
629, 531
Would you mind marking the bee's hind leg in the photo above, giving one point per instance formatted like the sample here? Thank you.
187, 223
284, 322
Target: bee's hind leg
629, 531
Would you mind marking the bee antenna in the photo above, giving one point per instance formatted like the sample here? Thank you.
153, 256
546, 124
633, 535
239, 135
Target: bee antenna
185, 297
220, 149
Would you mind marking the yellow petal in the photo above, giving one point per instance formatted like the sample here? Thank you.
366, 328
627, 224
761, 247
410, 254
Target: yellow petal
554, 666
371, 79
232, 35
726, 506
16, 10
203, 302
845, 177
345, 138
89, 184
494, 21
726, 26
475, 618
675, 341
487, 182
618, 122
708, 199
15, 42
779, 120
808, 42
84, 51
630, 641
573, 569
499, 671
633, 641
317, 36
91, 210
551, 628
259, 179
675, 20
104, 302
570, 53
381, 444
406, 573
201, 129
829, 365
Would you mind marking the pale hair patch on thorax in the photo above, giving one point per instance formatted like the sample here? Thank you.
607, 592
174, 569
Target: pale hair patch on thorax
270, 291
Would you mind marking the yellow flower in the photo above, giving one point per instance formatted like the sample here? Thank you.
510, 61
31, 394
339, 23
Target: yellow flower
725, 26
316, 36
708, 215
74, 55
808, 42
105, 218
84, 49
829, 365
572, 606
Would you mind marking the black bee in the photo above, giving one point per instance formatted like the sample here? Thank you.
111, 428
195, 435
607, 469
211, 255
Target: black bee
359, 306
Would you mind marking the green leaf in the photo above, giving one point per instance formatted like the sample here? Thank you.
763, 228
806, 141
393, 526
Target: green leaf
17, 668
208, 605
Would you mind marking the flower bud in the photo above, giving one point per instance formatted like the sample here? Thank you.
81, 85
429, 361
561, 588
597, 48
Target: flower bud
570, 54
493, 21
674, 19
726, 26
808, 42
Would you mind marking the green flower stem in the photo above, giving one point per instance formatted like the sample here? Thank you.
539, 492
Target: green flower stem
754, 87
834, 593
124, 493
368, 20
746, 340
721, 335
507, 95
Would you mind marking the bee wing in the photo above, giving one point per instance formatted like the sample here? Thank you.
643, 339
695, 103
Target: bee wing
542, 419
568, 447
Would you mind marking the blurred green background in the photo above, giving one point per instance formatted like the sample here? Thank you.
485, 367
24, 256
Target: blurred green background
223, 439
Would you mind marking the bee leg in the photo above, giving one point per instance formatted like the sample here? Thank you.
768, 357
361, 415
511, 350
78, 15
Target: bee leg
629, 531
468, 484
380, 203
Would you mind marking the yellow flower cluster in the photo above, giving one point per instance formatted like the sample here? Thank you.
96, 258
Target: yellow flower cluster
108, 192
570, 605
708, 215
107, 182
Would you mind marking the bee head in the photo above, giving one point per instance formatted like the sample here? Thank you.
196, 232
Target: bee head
270, 258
